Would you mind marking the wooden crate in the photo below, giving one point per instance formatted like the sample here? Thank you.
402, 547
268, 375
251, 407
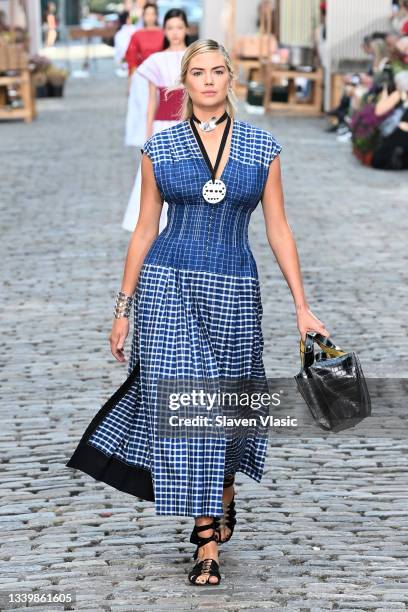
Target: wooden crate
14, 60
273, 73
12, 57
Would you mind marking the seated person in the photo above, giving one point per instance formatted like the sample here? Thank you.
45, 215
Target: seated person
392, 152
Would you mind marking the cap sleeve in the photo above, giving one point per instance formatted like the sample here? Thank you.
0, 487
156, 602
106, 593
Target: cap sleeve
274, 149
148, 148
150, 69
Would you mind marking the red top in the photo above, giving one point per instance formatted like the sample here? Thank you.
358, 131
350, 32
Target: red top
142, 44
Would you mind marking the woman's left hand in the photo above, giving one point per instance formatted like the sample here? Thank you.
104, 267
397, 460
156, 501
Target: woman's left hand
306, 321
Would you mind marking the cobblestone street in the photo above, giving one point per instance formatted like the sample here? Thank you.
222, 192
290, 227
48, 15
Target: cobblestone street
326, 529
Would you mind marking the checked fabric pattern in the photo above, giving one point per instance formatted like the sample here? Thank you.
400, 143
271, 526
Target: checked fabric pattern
197, 316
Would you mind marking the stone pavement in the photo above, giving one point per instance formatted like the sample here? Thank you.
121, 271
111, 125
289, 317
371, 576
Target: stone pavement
326, 528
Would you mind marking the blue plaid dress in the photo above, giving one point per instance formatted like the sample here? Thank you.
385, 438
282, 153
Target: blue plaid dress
197, 313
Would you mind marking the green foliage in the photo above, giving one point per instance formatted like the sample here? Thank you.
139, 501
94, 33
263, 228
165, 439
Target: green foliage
100, 6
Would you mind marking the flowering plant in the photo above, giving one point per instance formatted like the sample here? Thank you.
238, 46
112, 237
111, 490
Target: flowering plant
44, 71
364, 126
39, 63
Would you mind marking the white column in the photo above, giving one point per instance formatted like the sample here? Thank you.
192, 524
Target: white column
247, 13
216, 18
212, 22
34, 24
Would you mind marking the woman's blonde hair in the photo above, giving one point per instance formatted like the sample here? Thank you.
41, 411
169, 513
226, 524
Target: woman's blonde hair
380, 51
197, 47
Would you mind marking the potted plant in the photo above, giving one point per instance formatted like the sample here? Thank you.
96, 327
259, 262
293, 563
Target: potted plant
364, 126
40, 84
56, 78
38, 64
48, 79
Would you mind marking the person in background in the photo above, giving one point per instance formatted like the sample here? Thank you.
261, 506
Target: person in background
142, 44
137, 12
399, 17
354, 86
380, 49
399, 57
320, 38
338, 115
50, 24
121, 42
379, 53
161, 70
358, 85
391, 40
392, 152
149, 35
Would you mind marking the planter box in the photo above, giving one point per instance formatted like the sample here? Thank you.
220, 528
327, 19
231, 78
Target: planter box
50, 91
365, 158
12, 56
55, 91
41, 91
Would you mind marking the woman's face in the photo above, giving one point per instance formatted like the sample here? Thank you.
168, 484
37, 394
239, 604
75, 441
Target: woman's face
207, 79
175, 30
149, 17
390, 41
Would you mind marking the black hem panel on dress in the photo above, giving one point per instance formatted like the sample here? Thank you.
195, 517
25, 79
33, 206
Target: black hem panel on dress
113, 471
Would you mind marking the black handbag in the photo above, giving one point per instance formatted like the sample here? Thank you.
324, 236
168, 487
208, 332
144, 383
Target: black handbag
332, 384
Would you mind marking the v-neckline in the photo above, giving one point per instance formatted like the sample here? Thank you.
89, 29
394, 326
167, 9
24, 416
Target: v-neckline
197, 146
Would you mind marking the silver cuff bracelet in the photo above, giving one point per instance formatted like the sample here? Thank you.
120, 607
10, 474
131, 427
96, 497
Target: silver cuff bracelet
123, 305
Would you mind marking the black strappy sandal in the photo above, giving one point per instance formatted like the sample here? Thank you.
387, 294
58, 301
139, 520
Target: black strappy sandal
228, 518
206, 566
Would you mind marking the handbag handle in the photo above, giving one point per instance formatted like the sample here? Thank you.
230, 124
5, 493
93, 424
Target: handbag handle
307, 348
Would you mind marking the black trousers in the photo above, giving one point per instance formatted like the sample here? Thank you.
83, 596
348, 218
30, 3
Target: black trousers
383, 157
342, 109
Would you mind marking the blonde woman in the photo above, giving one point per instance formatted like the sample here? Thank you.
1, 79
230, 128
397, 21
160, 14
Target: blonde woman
197, 307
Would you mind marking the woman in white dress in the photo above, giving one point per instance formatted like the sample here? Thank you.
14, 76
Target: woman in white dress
162, 70
121, 42
145, 40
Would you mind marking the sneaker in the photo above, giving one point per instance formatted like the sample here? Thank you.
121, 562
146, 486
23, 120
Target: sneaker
342, 129
345, 136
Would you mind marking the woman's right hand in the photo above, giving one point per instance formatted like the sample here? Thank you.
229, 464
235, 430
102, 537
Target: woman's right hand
118, 335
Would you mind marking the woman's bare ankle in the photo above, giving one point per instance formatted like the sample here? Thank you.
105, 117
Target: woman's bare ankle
208, 551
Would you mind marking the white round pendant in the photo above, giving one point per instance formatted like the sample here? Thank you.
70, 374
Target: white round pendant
214, 192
